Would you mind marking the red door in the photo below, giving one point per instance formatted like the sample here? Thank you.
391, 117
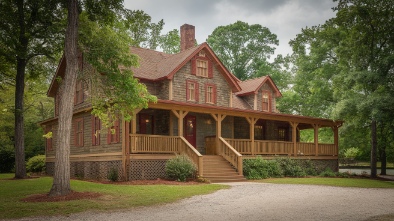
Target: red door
146, 124
190, 129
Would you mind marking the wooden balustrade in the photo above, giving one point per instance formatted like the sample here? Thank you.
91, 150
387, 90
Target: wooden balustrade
230, 154
306, 149
243, 146
186, 148
328, 150
142, 143
265, 147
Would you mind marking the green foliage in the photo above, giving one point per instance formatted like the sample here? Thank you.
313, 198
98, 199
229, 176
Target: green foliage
291, 167
258, 168
352, 152
327, 173
36, 164
180, 167
114, 91
113, 175
171, 42
241, 47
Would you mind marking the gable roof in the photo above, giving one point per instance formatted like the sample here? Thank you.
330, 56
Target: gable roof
156, 65
253, 86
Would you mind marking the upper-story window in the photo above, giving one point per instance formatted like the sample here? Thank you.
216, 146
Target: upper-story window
79, 92
96, 127
210, 93
113, 135
202, 68
48, 142
266, 101
192, 90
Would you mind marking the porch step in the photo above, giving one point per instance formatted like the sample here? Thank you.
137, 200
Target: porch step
218, 170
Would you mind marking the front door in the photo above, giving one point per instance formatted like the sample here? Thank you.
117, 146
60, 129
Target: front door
146, 124
190, 129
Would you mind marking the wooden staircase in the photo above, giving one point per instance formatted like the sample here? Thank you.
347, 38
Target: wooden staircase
218, 170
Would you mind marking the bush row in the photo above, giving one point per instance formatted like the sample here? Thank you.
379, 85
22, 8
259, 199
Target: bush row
259, 168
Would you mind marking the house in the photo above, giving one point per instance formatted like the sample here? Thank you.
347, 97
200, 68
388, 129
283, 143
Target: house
203, 111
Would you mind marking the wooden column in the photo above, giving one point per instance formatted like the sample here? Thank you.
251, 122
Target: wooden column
170, 96
180, 114
218, 118
133, 123
294, 136
252, 121
316, 138
255, 102
336, 138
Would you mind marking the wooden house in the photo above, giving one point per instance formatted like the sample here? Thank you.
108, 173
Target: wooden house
203, 111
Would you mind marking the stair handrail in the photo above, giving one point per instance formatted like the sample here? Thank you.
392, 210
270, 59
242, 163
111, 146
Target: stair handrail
230, 154
191, 152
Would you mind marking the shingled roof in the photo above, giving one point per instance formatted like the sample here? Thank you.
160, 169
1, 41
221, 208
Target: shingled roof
253, 85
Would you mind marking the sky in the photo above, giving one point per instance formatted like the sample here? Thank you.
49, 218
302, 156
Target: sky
285, 18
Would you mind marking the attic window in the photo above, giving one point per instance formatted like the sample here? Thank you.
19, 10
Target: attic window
266, 101
202, 68
201, 54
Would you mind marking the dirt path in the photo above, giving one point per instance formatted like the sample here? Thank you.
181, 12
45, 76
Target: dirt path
256, 201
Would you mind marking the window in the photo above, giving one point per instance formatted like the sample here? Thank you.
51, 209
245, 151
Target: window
113, 133
259, 130
282, 134
96, 127
202, 68
79, 93
48, 141
192, 91
78, 132
266, 101
210, 93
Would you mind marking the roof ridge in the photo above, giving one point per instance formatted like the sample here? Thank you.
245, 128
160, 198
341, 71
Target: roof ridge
252, 79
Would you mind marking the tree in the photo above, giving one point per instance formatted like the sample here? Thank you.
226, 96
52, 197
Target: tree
106, 48
28, 29
170, 42
241, 46
344, 69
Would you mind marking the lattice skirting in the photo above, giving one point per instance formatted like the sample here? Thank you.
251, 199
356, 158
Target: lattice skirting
98, 170
147, 169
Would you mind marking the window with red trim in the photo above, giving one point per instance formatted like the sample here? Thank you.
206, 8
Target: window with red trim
210, 93
96, 128
78, 132
48, 142
79, 96
266, 101
202, 66
192, 91
113, 133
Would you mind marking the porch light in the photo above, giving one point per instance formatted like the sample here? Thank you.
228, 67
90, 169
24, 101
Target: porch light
147, 121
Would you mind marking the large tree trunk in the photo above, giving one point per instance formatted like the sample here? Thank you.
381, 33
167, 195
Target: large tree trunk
374, 146
20, 167
61, 179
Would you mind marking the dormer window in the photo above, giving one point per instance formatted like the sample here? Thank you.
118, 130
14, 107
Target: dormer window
201, 66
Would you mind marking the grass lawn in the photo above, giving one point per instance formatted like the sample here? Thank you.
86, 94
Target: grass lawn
340, 182
114, 196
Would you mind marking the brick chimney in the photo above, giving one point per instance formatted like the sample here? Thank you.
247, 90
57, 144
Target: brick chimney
187, 37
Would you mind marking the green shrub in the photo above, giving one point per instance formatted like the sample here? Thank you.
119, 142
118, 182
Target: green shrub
113, 175
259, 168
352, 152
36, 164
291, 168
180, 167
327, 173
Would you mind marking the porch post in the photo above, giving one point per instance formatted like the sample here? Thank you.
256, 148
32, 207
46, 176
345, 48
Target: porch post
252, 121
316, 138
218, 118
180, 114
126, 149
336, 143
134, 130
294, 136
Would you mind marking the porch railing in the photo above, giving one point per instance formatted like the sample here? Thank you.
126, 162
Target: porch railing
142, 143
230, 154
270, 147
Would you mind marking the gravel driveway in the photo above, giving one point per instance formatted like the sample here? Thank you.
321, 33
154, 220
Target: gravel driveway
259, 201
